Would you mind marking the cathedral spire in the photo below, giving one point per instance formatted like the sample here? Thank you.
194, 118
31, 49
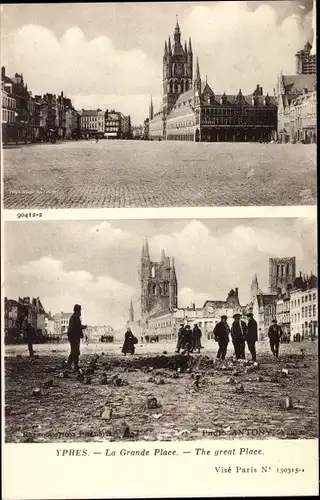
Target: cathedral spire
190, 46
185, 47
177, 32
198, 78
169, 47
163, 256
147, 254
174, 277
151, 109
165, 48
131, 312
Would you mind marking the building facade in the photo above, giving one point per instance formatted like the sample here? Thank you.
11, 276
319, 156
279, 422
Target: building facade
112, 124
296, 100
304, 307
92, 122
192, 111
61, 323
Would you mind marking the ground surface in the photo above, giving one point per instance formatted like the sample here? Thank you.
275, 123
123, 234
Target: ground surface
158, 174
71, 411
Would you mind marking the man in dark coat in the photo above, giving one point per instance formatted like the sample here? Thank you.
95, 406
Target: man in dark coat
29, 334
129, 342
238, 335
196, 337
75, 333
187, 338
275, 333
221, 335
180, 338
252, 335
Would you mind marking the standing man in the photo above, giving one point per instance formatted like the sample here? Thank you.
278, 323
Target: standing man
196, 334
252, 336
28, 333
75, 333
221, 335
180, 338
275, 333
238, 335
187, 339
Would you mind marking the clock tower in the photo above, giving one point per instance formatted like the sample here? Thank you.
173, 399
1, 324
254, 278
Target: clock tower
177, 70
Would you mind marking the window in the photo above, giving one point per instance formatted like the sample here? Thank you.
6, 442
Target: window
306, 298
314, 296
298, 302
298, 317
302, 312
302, 300
310, 309
314, 311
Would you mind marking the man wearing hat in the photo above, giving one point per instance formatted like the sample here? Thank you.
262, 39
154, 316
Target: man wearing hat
238, 335
275, 333
75, 333
252, 335
180, 338
187, 339
221, 335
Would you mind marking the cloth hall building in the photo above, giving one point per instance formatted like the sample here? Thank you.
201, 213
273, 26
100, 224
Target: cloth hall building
192, 111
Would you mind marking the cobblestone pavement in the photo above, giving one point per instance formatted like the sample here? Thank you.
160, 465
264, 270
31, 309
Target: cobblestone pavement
114, 174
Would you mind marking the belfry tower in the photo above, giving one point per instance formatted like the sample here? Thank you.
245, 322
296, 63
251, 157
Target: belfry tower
159, 286
177, 69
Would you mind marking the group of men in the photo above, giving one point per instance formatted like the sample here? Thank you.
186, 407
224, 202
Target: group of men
189, 340
242, 333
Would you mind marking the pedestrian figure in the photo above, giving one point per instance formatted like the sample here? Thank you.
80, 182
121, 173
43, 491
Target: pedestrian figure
238, 335
275, 333
29, 334
75, 333
180, 338
129, 342
252, 336
187, 339
196, 337
221, 335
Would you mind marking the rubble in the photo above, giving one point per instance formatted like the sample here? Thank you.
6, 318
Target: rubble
231, 380
286, 403
160, 381
50, 369
64, 374
121, 430
239, 389
284, 372
106, 413
87, 380
80, 377
152, 403
37, 391
103, 380
48, 382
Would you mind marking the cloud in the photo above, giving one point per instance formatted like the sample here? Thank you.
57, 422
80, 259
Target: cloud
214, 262
239, 48
104, 299
82, 68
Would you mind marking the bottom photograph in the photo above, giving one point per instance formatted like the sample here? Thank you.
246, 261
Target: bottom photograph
160, 330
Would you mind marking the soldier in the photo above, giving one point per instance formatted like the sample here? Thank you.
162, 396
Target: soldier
180, 338
238, 335
221, 335
29, 334
75, 333
275, 333
252, 336
196, 337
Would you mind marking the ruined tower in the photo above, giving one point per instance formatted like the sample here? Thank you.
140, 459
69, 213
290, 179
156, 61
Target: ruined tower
159, 286
282, 273
254, 287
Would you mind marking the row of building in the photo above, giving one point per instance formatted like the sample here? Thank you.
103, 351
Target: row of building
48, 117
290, 299
46, 325
192, 111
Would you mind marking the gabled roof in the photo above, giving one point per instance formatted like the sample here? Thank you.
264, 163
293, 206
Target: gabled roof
296, 83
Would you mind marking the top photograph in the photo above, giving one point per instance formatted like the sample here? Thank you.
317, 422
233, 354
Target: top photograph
191, 104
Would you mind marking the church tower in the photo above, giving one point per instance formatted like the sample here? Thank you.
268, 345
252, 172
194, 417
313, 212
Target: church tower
159, 286
254, 287
177, 70
131, 312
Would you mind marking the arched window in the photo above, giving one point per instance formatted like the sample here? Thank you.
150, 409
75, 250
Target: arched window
186, 86
154, 289
153, 272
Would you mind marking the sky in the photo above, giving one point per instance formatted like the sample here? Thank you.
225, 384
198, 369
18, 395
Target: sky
95, 263
110, 55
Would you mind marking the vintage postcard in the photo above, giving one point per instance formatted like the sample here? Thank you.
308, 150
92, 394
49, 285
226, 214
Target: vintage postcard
160, 294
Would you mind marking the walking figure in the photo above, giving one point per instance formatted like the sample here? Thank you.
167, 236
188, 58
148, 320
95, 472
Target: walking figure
129, 342
275, 333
